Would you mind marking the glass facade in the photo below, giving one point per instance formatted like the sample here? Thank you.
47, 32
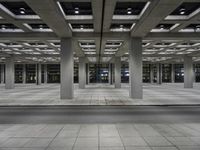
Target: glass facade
1, 73
42, 76
146, 73
30, 73
154, 73
166, 72
75, 73
179, 73
100, 73
197, 72
125, 73
18, 73
53, 73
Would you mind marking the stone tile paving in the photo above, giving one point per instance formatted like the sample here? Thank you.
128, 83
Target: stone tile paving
100, 136
100, 94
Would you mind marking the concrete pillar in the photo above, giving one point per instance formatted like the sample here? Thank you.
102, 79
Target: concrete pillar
159, 73
67, 69
135, 68
38, 74
2, 73
82, 72
151, 74
24, 74
117, 72
10, 77
173, 73
45, 74
188, 72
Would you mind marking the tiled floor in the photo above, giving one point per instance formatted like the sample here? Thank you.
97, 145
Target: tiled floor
100, 137
100, 94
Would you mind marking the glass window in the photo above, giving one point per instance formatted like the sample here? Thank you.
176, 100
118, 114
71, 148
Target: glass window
166, 72
154, 73
76, 73
42, 76
30, 73
53, 73
179, 73
98, 73
146, 73
124, 73
18, 73
197, 72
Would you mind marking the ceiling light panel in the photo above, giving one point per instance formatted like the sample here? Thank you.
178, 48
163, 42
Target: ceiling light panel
10, 44
185, 11
37, 44
129, 10
76, 10
87, 45
164, 27
113, 44
8, 27
38, 27
56, 44
82, 27
18, 10
191, 28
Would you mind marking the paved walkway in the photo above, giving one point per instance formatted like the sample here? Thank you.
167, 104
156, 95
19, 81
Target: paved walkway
100, 137
100, 94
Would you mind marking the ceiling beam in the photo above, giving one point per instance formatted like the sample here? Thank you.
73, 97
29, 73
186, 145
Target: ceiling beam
49, 12
154, 14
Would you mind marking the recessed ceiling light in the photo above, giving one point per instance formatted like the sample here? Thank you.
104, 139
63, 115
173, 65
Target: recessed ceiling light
121, 26
161, 26
81, 27
41, 27
22, 11
3, 27
129, 11
76, 10
182, 11
198, 27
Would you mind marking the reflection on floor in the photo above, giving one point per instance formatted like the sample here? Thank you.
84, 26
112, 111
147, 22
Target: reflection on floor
100, 94
100, 137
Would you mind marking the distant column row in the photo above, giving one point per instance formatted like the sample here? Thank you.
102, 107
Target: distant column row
50, 73
65, 74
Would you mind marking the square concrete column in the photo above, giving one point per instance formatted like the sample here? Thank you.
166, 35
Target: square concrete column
2, 73
188, 72
151, 74
39, 74
117, 72
159, 73
135, 69
45, 74
82, 72
67, 69
173, 73
10, 73
24, 74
